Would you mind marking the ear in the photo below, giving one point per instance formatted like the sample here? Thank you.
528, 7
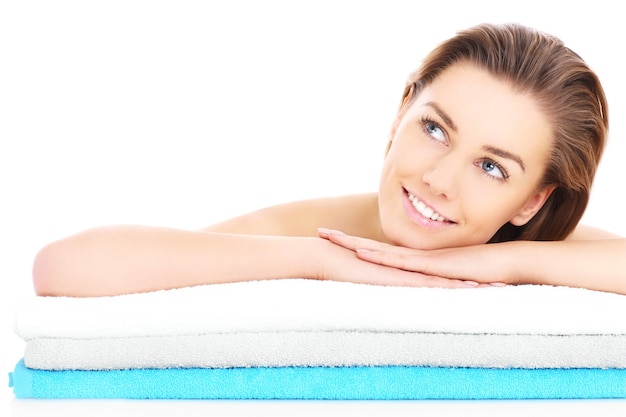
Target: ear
532, 206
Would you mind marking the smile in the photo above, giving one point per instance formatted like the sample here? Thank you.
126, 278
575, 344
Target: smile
424, 210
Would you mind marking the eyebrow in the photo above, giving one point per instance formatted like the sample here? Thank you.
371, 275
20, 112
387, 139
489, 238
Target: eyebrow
505, 154
444, 116
491, 149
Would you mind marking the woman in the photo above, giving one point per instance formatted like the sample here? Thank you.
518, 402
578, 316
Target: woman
496, 141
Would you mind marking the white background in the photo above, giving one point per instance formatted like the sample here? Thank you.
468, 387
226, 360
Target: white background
183, 113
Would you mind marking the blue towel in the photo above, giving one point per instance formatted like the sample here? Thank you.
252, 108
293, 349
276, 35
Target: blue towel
331, 383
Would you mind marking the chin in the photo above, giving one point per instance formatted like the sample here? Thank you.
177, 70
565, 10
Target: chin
417, 242
430, 241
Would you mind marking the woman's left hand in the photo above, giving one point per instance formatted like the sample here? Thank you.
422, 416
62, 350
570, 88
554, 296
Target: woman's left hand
484, 264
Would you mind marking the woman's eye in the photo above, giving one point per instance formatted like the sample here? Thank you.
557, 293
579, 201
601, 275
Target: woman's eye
435, 131
492, 169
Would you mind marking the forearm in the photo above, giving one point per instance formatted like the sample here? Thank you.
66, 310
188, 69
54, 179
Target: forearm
593, 264
598, 264
127, 259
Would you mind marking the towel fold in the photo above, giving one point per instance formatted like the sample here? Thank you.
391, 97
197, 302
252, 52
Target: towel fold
282, 323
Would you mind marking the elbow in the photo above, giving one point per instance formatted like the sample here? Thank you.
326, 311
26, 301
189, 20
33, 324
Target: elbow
80, 265
53, 272
46, 274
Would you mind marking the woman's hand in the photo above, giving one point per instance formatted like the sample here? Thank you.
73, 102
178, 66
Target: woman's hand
473, 265
345, 259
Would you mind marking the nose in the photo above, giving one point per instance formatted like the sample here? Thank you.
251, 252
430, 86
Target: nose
443, 177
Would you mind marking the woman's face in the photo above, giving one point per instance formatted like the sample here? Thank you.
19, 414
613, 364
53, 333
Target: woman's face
466, 157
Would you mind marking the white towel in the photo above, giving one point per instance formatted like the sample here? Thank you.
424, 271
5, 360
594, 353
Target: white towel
313, 323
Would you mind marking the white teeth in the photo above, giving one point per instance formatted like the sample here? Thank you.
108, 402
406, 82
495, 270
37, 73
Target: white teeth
425, 211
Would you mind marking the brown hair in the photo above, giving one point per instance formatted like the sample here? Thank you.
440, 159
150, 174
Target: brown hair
565, 88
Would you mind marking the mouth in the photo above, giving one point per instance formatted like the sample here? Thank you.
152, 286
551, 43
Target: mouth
426, 211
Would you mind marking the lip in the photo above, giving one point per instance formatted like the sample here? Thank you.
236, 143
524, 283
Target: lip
418, 218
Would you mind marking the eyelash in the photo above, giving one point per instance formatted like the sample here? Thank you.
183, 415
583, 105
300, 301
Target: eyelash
425, 120
505, 174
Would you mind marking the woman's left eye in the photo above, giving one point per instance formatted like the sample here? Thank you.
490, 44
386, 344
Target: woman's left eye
493, 169
433, 130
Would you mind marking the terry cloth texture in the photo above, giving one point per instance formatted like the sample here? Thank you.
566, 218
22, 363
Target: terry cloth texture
303, 339
322, 383
312, 323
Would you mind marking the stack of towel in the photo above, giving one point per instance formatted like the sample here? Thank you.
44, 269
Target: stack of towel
304, 339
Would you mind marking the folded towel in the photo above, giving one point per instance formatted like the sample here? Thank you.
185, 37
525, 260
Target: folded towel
333, 348
298, 304
297, 322
329, 383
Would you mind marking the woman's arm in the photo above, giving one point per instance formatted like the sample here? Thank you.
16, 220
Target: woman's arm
129, 259
126, 259
589, 259
593, 264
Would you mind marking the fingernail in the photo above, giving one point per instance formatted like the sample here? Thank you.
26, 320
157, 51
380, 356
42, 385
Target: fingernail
471, 283
497, 284
323, 231
364, 251
336, 232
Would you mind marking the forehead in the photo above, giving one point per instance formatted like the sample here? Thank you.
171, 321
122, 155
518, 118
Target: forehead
489, 110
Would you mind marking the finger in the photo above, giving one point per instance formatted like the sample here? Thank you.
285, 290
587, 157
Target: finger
346, 241
424, 280
388, 276
355, 242
416, 279
394, 259
325, 233
423, 265
412, 262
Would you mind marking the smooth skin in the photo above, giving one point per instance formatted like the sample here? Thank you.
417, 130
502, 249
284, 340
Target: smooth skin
469, 148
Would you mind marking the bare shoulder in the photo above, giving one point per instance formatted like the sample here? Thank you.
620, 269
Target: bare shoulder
354, 214
584, 232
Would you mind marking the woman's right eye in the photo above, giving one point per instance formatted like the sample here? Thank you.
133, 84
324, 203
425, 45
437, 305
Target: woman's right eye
433, 130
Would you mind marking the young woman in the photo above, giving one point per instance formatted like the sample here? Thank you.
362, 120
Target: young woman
489, 167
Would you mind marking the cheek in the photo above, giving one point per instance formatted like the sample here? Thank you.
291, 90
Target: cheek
406, 158
488, 209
